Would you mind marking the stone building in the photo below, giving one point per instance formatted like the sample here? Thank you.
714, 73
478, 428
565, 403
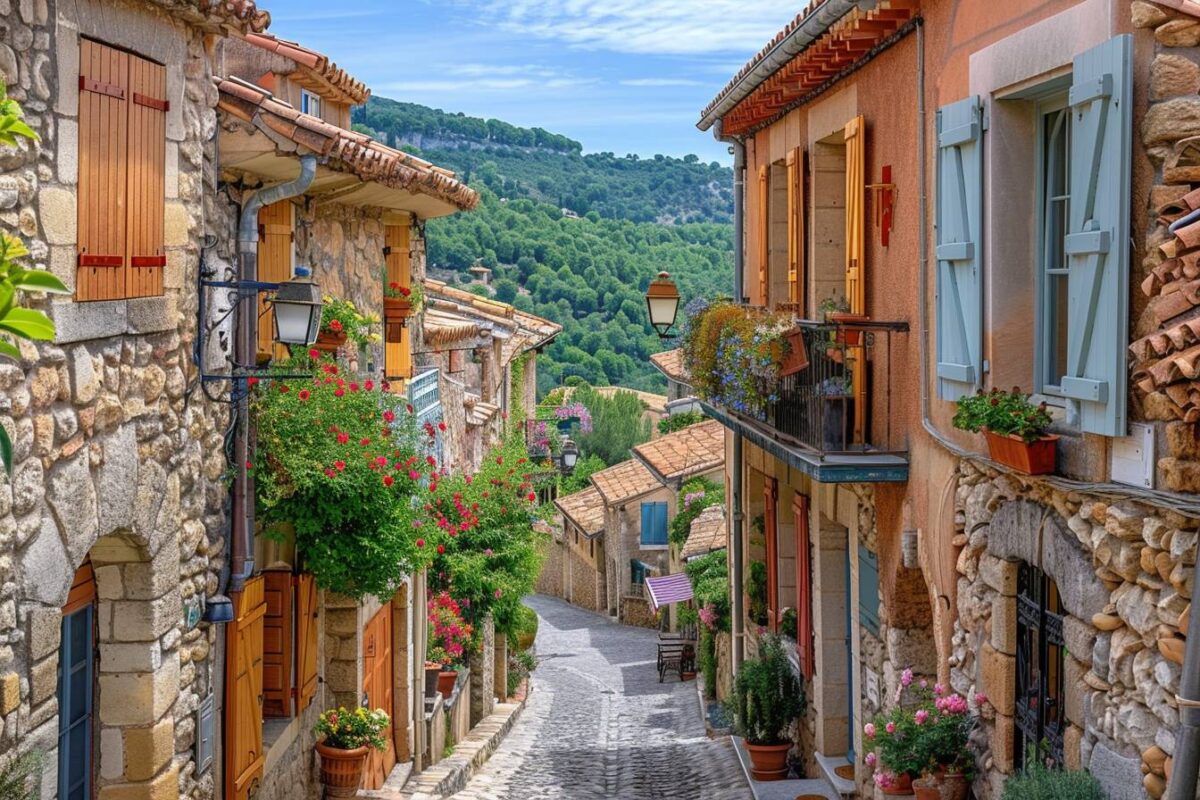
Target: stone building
680, 396
577, 558
902, 542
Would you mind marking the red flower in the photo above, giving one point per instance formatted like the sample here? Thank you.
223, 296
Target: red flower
304, 394
393, 285
343, 438
341, 465
353, 386
368, 385
252, 381
432, 486
284, 388
441, 426
420, 542
314, 354
413, 475
339, 392
499, 459
409, 407
329, 473
364, 441
385, 386
389, 416
405, 291
381, 461
335, 325
531, 497
441, 549
249, 465
388, 480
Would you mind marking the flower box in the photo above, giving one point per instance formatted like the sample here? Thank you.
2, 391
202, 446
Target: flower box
849, 336
330, 341
795, 358
397, 309
1032, 458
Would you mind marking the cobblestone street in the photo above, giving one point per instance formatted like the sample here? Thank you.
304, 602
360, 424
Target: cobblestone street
600, 725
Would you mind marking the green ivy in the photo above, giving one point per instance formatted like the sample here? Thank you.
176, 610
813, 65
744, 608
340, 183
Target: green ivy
703, 493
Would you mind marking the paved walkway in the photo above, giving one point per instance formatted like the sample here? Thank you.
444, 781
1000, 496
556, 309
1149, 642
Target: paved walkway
598, 723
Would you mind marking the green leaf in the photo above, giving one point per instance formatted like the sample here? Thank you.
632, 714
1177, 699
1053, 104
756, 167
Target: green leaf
39, 280
28, 324
8, 349
11, 247
5, 450
18, 128
7, 293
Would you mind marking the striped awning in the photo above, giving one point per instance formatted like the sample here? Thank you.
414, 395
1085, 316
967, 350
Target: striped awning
667, 589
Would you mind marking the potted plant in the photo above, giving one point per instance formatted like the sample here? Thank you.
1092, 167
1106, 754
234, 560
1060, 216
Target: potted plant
795, 353
836, 310
345, 739
339, 321
449, 639
1015, 428
767, 698
837, 413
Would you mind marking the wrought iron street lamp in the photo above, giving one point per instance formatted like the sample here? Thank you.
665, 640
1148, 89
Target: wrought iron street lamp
662, 304
297, 307
570, 456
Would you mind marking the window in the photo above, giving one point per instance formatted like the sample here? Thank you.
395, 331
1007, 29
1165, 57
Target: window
122, 175
1053, 204
310, 103
75, 688
654, 524
1039, 712
638, 571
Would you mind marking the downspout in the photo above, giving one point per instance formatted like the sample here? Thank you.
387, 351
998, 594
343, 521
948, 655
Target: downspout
1187, 741
241, 563
736, 554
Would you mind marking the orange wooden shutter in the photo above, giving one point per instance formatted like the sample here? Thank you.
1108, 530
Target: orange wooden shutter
795, 199
856, 268
378, 686
277, 644
243, 693
770, 495
100, 203
804, 622
147, 178
83, 589
306, 641
275, 236
764, 224
397, 348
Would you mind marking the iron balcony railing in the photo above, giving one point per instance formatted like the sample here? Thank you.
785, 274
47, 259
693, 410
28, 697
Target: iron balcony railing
841, 401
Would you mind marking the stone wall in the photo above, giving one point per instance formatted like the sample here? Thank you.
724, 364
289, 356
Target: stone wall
550, 579
635, 610
483, 681
116, 460
292, 767
584, 579
1125, 573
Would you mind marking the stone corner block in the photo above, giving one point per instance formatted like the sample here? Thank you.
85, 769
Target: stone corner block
999, 678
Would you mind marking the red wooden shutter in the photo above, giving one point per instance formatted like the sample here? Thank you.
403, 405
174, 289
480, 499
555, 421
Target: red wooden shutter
275, 236
306, 641
147, 177
244, 755
277, 644
804, 622
770, 495
103, 153
764, 226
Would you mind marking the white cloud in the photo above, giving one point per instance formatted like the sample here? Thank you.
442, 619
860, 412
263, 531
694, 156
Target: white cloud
485, 84
671, 27
660, 82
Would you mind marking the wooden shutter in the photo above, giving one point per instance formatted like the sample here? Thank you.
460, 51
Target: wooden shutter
804, 621
397, 348
243, 693
868, 590
378, 687
660, 523
795, 205
278, 629
770, 495
1097, 243
764, 226
306, 641
101, 199
855, 134
647, 523
959, 227
147, 177
276, 235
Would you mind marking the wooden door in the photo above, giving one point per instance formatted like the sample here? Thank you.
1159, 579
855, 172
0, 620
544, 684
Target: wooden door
770, 513
278, 638
306, 641
244, 755
275, 237
378, 685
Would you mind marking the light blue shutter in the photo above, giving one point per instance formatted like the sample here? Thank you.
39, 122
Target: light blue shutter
647, 522
959, 241
660, 523
1097, 241
868, 590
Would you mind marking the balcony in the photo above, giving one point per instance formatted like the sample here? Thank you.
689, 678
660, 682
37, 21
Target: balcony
832, 417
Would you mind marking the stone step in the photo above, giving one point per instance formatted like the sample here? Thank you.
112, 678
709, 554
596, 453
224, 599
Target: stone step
844, 787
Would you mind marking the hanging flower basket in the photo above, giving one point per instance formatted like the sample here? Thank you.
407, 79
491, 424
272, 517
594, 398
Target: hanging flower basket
796, 357
330, 341
341, 770
1032, 458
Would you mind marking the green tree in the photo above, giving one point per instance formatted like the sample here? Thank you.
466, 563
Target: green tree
506, 290
617, 424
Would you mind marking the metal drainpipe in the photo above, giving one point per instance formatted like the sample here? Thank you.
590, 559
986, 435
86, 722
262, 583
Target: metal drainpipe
1187, 741
737, 556
245, 350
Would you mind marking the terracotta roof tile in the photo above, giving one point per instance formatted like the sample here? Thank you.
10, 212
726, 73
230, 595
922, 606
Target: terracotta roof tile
686, 452
624, 481
654, 402
709, 532
348, 151
584, 509
219, 16
528, 331
670, 363
316, 71
442, 328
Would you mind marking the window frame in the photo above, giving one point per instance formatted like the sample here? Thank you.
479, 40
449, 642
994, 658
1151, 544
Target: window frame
666, 539
1054, 102
309, 100
1039, 627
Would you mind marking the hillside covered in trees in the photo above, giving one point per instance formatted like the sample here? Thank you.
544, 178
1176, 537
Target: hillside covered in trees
588, 269
533, 163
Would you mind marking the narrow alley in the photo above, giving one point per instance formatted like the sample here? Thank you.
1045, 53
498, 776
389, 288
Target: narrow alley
600, 725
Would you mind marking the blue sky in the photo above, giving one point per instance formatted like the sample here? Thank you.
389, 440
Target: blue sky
618, 75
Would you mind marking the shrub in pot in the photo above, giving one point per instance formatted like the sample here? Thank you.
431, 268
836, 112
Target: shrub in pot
1015, 428
767, 698
345, 737
450, 639
1039, 782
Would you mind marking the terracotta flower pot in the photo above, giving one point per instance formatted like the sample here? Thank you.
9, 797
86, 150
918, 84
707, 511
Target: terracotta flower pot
851, 337
941, 786
796, 359
432, 671
1032, 458
330, 341
446, 681
768, 761
900, 784
341, 770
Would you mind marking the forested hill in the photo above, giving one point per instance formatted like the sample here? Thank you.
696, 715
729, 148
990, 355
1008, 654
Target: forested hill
547, 167
586, 268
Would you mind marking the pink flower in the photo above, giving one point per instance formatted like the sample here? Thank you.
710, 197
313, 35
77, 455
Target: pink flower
906, 677
920, 716
980, 698
498, 593
924, 683
413, 475
890, 727
388, 480
939, 690
869, 730
871, 759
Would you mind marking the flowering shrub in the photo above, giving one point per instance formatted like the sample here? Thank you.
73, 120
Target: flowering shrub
350, 730
930, 732
767, 697
694, 496
733, 354
341, 461
449, 636
578, 411
1002, 413
339, 315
